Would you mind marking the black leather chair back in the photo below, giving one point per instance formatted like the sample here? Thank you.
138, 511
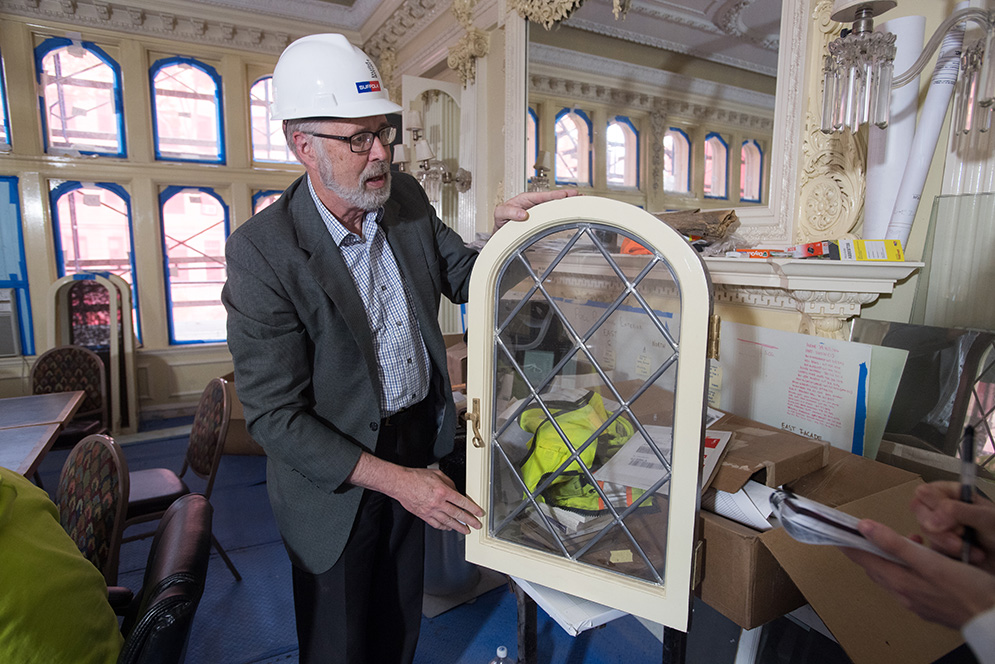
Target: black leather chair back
159, 628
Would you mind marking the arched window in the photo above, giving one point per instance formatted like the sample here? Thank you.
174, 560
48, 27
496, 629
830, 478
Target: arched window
14, 265
573, 147
92, 230
268, 142
186, 111
751, 172
716, 167
676, 161
623, 153
263, 199
80, 96
4, 115
194, 230
531, 142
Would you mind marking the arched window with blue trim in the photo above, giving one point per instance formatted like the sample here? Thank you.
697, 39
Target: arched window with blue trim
676, 161
264, 198
268, 141
573, 132
194, 230
187, 118
92, 230
4, 114
716, 167
14, 268
531, 142
622, 140
79, 88
751, 172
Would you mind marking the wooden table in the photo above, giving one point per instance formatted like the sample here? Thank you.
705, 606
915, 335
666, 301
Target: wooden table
29, 425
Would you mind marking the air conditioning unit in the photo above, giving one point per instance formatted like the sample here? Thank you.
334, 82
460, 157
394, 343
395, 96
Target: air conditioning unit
10, 332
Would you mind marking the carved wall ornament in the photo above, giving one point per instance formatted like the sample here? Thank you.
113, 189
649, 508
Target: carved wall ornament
545, 12
472, 45
388, 72
832, 186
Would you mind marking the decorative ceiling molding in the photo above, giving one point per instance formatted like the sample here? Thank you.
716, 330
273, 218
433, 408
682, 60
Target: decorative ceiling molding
650, 81
140, 20
407, 20
729, 19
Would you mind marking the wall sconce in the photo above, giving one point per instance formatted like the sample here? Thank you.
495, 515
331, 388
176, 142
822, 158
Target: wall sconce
401, 157
412, 123
859, 68
543, 167
432, 173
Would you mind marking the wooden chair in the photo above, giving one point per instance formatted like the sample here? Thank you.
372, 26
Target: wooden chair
69, 368
92, 498
153, 490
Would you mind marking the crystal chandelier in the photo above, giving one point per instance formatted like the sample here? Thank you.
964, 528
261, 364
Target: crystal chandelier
859, 73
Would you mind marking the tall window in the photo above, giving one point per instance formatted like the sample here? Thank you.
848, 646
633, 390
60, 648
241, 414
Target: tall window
92, 229
4, 115
80, 95
268, 142
531, 142
623, 153
13, 264
186, 111
194, 230
263, 199
676, 161
573, 147
751, 172
716, 167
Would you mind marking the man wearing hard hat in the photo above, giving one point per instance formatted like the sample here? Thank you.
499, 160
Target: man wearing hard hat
332, 297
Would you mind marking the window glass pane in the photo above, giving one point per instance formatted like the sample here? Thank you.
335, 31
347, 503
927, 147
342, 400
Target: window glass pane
80, 86
194, 226
13, 265
676, 162
263, 199
573, 131
623, 153
268, 142
93, 232
750, 172
4, 116
187, 111
716, 167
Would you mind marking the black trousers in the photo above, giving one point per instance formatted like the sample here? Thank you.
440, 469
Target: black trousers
366, 609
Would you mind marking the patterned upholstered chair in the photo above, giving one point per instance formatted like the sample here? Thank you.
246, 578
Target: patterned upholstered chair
92, 498
69, 368
153, 490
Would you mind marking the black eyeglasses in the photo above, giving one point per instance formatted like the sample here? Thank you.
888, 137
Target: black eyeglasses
363, 141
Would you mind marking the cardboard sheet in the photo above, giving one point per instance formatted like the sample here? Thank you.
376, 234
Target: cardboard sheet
870, 625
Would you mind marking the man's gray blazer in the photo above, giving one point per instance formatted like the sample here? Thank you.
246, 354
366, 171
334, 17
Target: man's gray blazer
305, 365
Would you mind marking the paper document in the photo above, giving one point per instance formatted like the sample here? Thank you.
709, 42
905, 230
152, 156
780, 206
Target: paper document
749, 506
573, 614
637, 465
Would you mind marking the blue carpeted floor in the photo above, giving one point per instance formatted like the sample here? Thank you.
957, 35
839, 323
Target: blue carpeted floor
252, 621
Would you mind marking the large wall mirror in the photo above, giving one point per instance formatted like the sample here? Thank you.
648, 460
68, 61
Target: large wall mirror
712, 91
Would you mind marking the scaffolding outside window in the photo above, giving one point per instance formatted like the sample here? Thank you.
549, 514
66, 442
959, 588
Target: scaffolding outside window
92, 231
716, 167
195, 225
13, 263
676, 161
80, 98
186, 111
623, 153
751, 172
268, 141
573, 148
531, 141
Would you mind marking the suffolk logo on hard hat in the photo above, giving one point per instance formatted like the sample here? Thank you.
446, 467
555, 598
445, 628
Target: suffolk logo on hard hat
368, 86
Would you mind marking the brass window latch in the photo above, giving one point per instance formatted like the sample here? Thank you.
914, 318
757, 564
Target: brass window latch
472, 416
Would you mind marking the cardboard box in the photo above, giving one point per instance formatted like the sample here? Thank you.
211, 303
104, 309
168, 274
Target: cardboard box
752, 578
238, 440
456, 360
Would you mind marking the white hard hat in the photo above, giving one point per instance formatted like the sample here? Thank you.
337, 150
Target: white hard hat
326, 76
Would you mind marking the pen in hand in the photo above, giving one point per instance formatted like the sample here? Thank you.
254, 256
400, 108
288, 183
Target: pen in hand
967, 487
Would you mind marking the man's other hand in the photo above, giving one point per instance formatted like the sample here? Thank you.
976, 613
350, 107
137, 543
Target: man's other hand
516, 209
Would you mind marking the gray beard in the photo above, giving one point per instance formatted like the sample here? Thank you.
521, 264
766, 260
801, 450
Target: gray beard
360, 197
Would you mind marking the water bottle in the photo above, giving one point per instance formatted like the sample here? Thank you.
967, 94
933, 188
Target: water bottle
502, 656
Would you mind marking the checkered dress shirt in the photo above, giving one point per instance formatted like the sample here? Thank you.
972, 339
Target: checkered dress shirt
402, 359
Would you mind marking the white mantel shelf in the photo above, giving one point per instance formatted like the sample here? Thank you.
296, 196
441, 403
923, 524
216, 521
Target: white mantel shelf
827, 293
